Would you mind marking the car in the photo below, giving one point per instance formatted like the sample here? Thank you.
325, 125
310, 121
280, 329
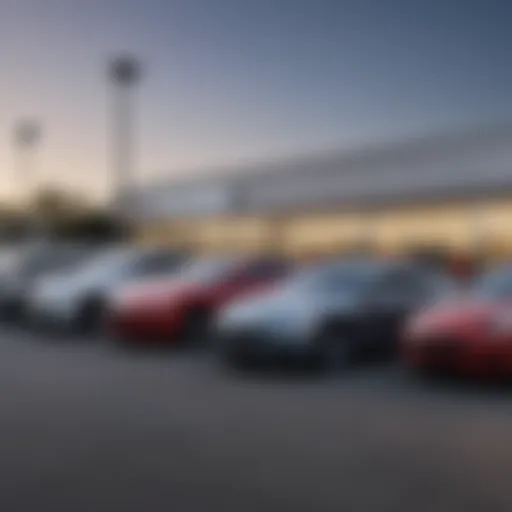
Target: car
183, 307
76, 300
23, 266
468, 334
326, 315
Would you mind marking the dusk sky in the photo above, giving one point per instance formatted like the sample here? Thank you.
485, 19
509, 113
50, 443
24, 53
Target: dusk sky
233, 80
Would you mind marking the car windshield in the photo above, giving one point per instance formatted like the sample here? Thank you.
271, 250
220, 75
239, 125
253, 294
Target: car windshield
9, 259
344, 277
494, 286
443, 287
207, 269
51, 259
108, 264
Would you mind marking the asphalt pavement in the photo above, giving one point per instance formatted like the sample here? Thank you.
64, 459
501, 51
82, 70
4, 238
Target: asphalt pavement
85, 427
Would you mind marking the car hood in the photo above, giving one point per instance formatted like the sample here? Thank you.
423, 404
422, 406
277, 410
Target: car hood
154, 291
65, 285
453, 315
19, 282
286, 305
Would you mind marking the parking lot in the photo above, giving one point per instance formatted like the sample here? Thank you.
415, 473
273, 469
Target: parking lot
86, 427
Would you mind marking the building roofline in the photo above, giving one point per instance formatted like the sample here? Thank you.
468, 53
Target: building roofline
347, 160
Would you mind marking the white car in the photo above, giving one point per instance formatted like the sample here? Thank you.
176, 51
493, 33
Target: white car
21, 268
77, 299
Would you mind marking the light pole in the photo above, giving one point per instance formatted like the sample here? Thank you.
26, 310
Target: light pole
27, 135
124, 73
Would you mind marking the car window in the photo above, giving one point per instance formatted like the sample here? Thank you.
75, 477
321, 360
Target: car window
208, 270
107, 265
438, 285
264, 269
158, 263
347, 278
52, 259
400, 284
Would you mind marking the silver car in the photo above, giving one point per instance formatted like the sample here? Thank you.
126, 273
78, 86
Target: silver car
77, 299
327, 315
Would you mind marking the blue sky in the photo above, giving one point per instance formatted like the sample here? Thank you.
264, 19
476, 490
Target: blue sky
233, 80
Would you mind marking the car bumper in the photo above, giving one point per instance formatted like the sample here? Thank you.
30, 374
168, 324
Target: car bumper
460, 355
49, 314
262, 344
142, 326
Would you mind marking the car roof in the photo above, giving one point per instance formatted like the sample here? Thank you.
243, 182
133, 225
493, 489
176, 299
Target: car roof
355, 264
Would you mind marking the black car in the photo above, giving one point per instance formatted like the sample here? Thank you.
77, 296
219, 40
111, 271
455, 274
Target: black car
328, 314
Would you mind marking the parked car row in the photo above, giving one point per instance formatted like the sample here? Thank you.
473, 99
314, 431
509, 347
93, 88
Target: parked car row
257, 309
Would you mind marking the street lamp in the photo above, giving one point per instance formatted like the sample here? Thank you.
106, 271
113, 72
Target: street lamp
27, 134
124, 73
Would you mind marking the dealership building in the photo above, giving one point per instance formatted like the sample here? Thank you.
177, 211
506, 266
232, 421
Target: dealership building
449, 192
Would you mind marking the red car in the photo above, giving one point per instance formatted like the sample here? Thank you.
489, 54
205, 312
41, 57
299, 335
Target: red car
470, 335
181, 307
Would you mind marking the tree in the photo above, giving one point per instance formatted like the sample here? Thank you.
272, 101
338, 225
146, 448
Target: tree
97, 226
70, 217
53, 203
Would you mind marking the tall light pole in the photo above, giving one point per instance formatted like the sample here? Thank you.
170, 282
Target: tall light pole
27, 135
124, 73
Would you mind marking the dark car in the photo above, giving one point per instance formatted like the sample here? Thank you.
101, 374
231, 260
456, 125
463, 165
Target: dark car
327, 315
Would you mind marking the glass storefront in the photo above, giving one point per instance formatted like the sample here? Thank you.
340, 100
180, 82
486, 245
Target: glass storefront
482, 226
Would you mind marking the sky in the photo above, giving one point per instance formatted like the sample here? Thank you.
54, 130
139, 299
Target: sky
232, 81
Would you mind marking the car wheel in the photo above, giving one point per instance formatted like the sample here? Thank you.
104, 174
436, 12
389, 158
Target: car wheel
91, 316
240, 361
332, 351
196, 328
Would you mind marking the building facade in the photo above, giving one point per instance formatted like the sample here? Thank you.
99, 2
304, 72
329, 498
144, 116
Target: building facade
449, 192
